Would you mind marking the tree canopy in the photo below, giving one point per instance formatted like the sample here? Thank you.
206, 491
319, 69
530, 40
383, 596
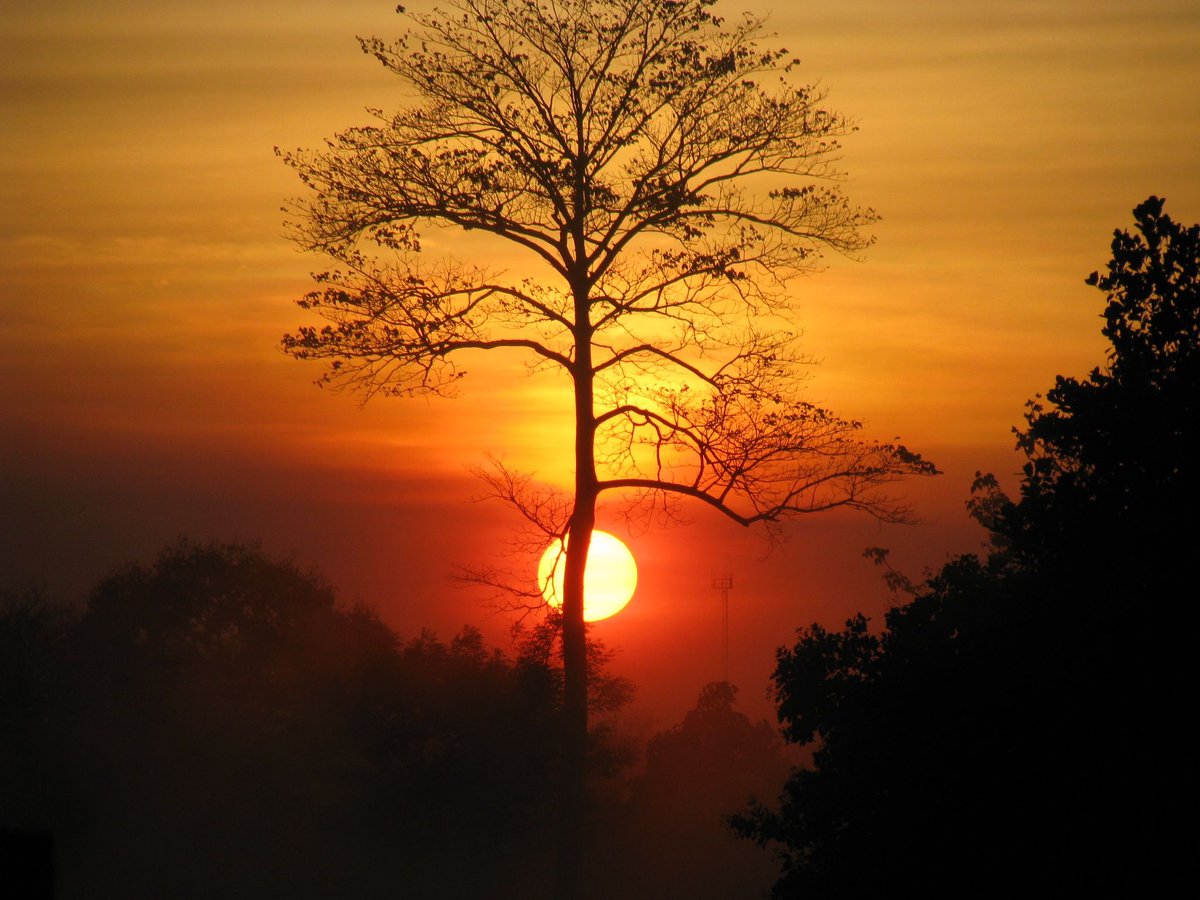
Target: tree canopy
1111, 456
669, 836
217, 703
1012, 722
669, 175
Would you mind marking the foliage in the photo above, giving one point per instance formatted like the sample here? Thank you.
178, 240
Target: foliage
541, 659
1111, 457
30, 627
711, 762
540, 648
670, 837
220, 704
918, 774
1002, 727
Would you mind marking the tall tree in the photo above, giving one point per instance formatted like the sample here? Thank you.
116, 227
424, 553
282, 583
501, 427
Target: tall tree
667, 177
669, 837
1018, 718
1111, 457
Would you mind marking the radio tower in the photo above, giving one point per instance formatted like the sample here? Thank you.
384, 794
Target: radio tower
724, 584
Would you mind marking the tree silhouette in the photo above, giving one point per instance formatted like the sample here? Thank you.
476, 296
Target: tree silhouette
220, 704
1111, 458
1014, 720
670, 838
635, 154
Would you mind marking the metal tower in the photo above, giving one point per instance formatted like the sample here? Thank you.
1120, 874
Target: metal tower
724, 584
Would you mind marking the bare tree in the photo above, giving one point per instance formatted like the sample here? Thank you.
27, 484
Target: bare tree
669, 178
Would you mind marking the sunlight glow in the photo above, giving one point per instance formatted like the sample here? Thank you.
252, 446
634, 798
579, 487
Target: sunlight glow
610, 580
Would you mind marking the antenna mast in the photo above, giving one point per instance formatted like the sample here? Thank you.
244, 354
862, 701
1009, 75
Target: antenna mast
724, 584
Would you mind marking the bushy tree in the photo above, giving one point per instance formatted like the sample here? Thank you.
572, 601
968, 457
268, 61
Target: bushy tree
1011, 725
30, 629
1112, 456
219, 704
671, 836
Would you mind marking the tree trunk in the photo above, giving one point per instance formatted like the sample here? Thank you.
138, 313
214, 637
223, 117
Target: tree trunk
574, 634
575, 712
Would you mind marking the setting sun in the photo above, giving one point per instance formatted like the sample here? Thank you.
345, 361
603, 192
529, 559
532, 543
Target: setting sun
610, 581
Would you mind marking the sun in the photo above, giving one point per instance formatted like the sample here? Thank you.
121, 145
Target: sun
610, 580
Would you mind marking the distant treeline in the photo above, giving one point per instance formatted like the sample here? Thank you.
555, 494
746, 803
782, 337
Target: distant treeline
215, 724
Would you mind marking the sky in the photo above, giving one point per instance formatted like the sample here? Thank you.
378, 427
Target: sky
147, 282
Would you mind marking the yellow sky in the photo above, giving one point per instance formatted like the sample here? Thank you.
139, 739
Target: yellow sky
146, 281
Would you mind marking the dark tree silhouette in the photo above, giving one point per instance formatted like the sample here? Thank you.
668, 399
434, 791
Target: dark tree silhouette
30, 628
1112, 456
664, 178
1013, 722
221, 705
31, 631
671, 838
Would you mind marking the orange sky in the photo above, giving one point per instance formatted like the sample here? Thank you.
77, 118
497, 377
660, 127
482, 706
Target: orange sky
146, 283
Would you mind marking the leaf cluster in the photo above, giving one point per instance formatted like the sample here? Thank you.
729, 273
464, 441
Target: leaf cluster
1110, 456
1006, 720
